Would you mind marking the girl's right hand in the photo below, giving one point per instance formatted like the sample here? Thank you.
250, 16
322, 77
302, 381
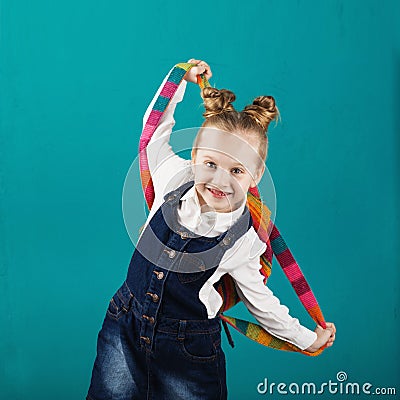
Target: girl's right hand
201, 68
324, 336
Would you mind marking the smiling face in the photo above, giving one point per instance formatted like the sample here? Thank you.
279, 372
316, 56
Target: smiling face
225, 166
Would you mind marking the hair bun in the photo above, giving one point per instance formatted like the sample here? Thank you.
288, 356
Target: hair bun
263, 110
267, 102
217, 101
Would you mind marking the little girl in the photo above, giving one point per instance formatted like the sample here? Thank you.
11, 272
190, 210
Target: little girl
161, 335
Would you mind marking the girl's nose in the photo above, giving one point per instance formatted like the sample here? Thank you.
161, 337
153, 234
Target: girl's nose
220, 179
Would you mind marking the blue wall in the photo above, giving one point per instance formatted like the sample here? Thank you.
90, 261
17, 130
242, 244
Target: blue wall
76, 78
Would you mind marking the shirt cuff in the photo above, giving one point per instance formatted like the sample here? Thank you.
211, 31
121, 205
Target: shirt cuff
305, 338
180, 92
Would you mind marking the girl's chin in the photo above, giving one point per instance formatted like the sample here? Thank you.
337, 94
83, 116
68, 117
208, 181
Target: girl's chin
219, 204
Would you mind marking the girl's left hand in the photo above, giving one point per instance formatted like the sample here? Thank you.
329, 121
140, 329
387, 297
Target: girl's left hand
331, 326
201, 68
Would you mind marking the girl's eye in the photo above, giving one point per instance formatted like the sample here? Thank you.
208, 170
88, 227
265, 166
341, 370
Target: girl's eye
210, 164
237, 171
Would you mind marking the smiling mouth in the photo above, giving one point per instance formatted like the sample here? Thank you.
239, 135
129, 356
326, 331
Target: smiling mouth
217, 193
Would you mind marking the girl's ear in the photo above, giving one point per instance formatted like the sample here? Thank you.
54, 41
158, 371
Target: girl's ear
193, 159
258, 176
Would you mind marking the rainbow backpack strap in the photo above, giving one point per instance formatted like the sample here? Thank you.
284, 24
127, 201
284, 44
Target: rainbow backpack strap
270, 235
262, 223
161, 104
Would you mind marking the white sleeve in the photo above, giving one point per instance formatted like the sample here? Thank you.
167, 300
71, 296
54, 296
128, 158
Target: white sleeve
163, 162
265, 307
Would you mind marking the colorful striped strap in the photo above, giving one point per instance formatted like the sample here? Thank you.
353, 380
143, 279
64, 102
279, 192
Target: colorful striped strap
262, 223
161, 104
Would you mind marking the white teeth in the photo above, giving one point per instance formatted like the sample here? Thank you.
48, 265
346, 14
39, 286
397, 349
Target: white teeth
217, 190
214, 188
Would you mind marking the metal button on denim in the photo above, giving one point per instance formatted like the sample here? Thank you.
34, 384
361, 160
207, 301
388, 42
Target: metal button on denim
159, 274
171, 197
226, 240
145, 339
150, 319
172, 254
184, 235
153, 296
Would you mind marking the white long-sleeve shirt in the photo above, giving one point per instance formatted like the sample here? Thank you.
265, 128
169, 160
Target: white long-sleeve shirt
241, 261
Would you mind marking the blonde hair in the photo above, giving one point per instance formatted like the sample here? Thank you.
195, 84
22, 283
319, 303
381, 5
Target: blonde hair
253, 120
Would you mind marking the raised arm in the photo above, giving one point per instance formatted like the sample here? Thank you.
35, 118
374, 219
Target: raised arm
154, 149
161, 158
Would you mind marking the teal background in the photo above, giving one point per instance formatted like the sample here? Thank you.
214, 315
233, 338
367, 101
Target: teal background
76, 79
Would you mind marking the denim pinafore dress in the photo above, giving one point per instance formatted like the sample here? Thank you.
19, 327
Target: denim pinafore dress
156, 341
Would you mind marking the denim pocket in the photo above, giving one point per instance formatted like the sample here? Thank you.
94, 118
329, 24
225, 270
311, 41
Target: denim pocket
200, 346
193, 267
120, 302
